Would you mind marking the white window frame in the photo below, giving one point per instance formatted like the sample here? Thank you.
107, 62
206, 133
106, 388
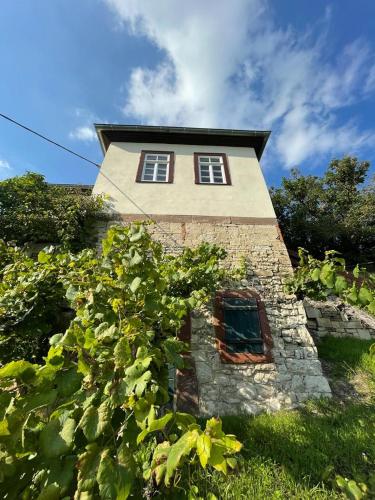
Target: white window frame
211, 164
156, 163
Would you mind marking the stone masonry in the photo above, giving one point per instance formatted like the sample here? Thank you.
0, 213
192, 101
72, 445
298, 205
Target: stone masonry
295, 373
338, 319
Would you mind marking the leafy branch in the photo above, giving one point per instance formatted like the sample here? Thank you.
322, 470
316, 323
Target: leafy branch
78, 423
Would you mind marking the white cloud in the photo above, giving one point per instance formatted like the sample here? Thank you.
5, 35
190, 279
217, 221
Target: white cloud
228, 64
5, 169
84, 133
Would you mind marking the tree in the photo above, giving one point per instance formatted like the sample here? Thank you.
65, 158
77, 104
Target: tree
73, 425
33, 211
333, 212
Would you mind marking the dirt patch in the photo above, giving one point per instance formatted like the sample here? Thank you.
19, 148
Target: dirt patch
348, 386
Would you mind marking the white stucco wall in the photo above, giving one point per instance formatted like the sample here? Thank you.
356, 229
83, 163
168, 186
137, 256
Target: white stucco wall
246, 197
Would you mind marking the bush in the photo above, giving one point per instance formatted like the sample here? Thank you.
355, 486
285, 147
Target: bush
33, 211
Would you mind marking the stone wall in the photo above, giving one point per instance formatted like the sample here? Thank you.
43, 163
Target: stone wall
338, 319
295, 373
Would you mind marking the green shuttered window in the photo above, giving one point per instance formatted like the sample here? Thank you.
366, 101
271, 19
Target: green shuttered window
242, 327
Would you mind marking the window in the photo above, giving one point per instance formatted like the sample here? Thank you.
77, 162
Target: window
156, 166
211, 168
242, 329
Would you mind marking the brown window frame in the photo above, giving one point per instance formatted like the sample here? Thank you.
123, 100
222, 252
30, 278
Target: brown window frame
142, 161
225, 165
238, 358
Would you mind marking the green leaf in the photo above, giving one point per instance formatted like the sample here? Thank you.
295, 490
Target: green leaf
232, 462
135, 284
107, 477
136, 237
57, 439
136, 259
71, 293
352, 297
340, 284
315, 274
156, 425
356, 271
95, 420
68, 382
55, 339
184, 420
114, 479
371, 307
88, 463
365, 296
4, 431
43, 257
178, 450
204, 448
18, 369
327, 276
135, 378
122, 353
62, 472
172, 348
217, 459
50, 492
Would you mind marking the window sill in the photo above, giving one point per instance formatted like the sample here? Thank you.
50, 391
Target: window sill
211, 184
154, 182
242, 357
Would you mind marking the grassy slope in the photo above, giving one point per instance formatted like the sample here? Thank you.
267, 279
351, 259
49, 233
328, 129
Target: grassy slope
296, 454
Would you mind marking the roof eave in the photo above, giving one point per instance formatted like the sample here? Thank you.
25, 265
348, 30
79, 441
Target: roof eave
238, 135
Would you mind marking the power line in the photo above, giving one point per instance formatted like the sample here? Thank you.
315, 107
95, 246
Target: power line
28, 129
49, 140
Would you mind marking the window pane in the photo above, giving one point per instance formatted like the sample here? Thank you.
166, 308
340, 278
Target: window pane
204, 168
149, 165
216, 168
162, 157
204, 178
204, 159
162, 168
148, 177
241, 325
245, 347
215, 159
218, 179
150, 157
161, 178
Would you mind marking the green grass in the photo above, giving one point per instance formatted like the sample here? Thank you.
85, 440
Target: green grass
347, 354
296, 454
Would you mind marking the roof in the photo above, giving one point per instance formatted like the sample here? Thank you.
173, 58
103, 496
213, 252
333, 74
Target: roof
256, 139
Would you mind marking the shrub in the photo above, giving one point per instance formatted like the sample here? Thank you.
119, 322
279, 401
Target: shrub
33, 211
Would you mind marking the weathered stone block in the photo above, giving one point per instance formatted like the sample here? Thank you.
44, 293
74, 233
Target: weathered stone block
317, 384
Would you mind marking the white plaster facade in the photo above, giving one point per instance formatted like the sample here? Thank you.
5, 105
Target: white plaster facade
246, 197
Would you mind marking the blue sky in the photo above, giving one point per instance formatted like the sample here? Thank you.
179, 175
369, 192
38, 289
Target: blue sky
305, 70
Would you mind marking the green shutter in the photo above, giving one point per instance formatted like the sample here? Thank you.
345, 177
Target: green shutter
242, 325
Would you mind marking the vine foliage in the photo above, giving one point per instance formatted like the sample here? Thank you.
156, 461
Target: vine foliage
319, 279
91, 420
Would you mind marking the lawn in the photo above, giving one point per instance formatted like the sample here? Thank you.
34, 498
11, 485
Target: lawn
297, 454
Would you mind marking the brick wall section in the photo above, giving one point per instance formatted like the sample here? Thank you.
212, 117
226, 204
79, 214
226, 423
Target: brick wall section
295, 373
339, 320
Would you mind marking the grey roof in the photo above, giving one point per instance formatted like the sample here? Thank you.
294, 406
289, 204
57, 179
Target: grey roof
256, 139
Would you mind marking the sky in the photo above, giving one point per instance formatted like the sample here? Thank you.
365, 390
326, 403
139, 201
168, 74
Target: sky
304, 70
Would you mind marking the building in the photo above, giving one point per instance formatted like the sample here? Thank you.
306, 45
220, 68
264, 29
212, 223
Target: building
250, 349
